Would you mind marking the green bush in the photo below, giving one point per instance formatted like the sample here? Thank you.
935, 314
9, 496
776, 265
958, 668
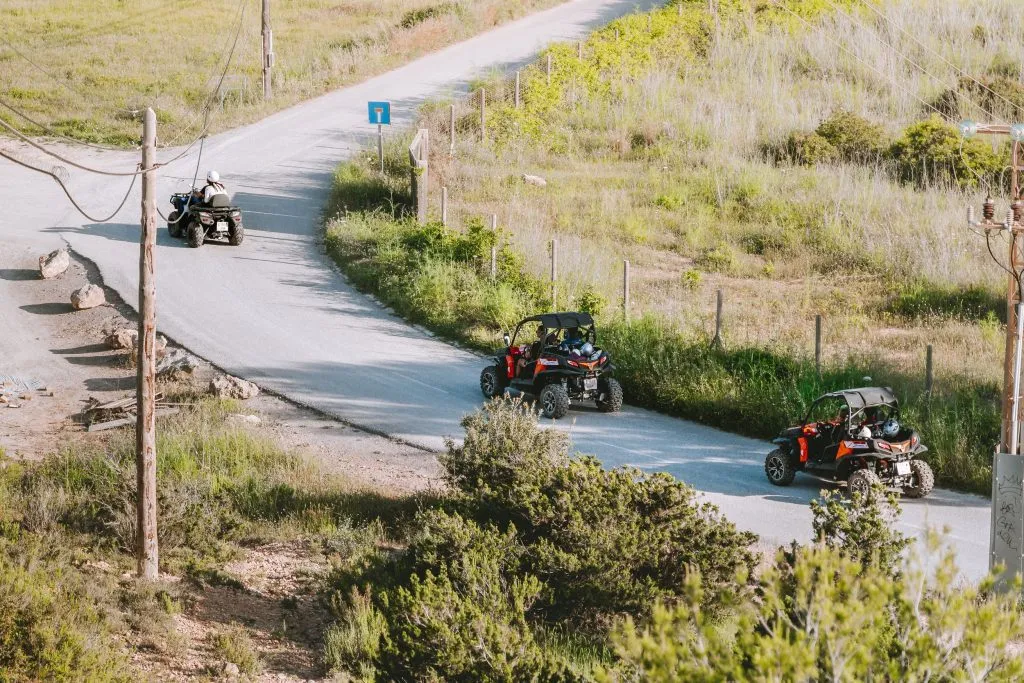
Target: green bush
853, 137
51, 625
589, 300
717, 259
828, 617
233, 644
861, 527
933, 151
808, 149
604, 541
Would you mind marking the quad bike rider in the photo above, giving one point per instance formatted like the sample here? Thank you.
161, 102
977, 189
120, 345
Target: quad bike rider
853, 436
206, 213
557, 368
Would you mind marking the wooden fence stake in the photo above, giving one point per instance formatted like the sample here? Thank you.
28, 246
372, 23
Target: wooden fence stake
483, 115
494, 263
817, 345
717, 341
494, 222
625, 290
554, 274
418, 168
451, 127
549, 68
929, 371
517, 89
444, 206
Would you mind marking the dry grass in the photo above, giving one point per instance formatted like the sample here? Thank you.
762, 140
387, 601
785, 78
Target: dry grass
672, 166
106, 56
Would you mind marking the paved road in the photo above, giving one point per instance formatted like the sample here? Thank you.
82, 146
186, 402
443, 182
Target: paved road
277, 312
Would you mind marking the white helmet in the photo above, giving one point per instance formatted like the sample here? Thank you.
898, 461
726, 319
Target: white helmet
213, 177
891, 428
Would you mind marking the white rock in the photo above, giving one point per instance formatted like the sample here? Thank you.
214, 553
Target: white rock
89, 296
226, 386
246, 419
176, 362
122, 338
54, 263
534, 180
231, 670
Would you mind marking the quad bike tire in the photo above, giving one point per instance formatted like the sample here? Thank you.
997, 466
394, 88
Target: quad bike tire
491, 382
554, 401
779, 467
863, 482
611, 390
923, 477
174, 224
236, 234
195, 234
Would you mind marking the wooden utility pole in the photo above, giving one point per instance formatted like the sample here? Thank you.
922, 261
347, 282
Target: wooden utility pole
1007, 527
145, 425
268, 51
625, 291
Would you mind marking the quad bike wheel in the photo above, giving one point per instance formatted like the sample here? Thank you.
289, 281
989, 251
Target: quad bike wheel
174, 224
196, 234
236, 233
862, 481
554, 401
491, 382
923, 480
779, 468
609, 399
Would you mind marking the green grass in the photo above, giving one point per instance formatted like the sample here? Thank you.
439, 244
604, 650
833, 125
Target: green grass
109, 56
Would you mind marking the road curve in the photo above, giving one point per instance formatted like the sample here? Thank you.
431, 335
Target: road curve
276, 311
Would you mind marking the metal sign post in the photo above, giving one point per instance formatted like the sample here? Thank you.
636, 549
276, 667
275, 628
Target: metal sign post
380, 113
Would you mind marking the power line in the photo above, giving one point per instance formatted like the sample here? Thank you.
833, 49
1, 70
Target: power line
67, 161
54, 133
67, 192
892, 47
959, 71
857, 57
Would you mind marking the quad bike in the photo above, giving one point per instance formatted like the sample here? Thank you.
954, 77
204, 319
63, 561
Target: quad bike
197, 222
561, 366
853, 436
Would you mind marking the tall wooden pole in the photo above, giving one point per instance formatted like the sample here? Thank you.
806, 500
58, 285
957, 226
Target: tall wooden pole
268, 50
1016, 261
145, 425
625, 291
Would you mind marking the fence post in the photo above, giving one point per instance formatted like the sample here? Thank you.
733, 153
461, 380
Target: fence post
625, 290
554, 274
579, 50
451, 127
817, 344
929, 372
418, 167
444, 206
494, 249
616, 34
483, 115
717, 341
517, 89
549, 68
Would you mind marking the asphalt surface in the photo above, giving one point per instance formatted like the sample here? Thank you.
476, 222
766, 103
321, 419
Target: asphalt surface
276, 311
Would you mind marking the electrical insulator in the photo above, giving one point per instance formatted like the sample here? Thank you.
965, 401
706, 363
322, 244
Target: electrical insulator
1009, 220
970, 216
988, 209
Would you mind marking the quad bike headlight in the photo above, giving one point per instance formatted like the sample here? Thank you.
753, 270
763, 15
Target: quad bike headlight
205, 220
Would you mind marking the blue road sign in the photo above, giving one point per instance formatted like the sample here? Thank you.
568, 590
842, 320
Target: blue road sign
380, 112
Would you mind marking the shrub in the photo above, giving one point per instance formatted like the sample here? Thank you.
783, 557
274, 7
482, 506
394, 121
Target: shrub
933, 151
717, 259
831, 618
853, 137
809, 149
463, 618
589, 300
604, 541
233, 644
353, 642
691, 278
861, 528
